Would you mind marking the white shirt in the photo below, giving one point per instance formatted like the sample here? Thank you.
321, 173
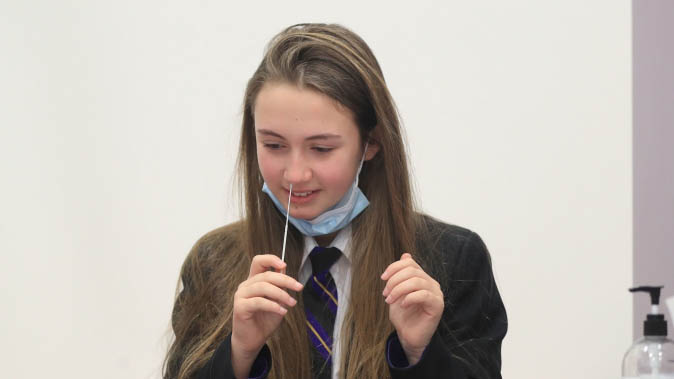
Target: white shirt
341, 274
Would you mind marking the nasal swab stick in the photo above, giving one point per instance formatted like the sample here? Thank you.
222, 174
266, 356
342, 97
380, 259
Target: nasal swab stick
285, 234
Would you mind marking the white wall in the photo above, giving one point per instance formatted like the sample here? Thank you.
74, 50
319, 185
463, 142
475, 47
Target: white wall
119, 128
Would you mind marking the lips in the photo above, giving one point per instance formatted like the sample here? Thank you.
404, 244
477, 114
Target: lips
296, 192
304, 196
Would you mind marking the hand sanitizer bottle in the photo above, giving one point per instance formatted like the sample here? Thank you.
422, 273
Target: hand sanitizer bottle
653, 355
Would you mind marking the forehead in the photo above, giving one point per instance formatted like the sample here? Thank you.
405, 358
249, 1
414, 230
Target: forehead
286, 108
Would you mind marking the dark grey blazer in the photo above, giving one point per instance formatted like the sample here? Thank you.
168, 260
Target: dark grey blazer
467, 343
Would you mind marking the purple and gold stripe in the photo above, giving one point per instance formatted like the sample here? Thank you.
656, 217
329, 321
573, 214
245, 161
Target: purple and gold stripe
327, 292
321, 341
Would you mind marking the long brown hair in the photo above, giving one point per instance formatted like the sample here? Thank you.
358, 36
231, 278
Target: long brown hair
336, 62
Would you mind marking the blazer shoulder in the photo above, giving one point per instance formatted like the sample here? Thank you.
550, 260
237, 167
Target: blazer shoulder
451, 251
435, 234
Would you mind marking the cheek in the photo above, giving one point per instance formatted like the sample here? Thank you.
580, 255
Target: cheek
268, 166
338, 176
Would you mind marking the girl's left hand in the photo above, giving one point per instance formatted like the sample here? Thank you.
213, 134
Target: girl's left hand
416, 304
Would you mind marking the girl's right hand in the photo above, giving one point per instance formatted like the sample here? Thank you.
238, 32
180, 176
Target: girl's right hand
260, 302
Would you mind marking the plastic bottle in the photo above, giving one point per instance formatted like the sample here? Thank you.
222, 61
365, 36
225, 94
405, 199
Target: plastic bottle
653, 355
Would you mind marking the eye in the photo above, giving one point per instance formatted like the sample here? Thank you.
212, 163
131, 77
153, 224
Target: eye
272, 146
323, 149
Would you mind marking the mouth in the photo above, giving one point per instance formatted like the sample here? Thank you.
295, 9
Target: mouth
301, 197
303, 194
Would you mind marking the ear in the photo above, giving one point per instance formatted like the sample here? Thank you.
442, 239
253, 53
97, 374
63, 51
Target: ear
372, 149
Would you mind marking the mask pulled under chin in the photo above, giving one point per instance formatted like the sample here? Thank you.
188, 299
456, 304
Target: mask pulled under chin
332, 220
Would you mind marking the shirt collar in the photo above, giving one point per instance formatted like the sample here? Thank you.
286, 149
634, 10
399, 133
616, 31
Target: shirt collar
342, 241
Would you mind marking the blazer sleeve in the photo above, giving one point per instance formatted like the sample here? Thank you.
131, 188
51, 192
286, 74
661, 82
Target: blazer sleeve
219, 366
467, 343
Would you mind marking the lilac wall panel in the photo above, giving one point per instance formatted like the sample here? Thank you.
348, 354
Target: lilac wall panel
653, 107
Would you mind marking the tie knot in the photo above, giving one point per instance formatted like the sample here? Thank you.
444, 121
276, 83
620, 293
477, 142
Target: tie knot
322, 258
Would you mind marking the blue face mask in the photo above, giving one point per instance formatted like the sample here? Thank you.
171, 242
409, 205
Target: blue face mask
335, 218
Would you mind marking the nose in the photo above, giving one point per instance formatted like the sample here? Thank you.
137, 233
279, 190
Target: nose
297, 170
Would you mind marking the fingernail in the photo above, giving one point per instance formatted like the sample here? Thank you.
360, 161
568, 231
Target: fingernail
388, 299
292, 301
283, 310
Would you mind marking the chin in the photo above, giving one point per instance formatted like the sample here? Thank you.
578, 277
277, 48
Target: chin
308, 213
304, 215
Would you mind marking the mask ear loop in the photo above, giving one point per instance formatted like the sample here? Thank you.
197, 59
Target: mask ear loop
362, 160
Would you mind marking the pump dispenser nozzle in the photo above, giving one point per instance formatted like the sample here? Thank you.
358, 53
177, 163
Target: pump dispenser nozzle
654, 291
651, 356
655, 324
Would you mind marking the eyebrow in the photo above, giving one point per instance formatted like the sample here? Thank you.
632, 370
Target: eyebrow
323, 136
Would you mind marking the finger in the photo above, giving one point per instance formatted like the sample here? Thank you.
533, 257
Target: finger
268, 291
423, 298
401, 276
251, 306
406, 287
263, 262
398, 265
275, 278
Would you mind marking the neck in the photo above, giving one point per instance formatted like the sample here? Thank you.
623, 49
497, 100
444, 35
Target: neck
325, 239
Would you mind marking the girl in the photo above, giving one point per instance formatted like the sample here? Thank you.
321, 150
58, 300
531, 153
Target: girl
369, 288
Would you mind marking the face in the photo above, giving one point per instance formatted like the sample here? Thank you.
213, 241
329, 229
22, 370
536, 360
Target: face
306, 139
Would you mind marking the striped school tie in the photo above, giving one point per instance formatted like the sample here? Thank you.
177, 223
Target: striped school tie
320, 307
